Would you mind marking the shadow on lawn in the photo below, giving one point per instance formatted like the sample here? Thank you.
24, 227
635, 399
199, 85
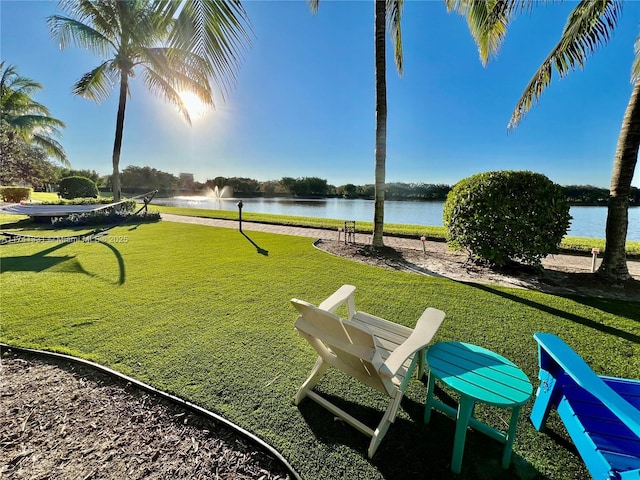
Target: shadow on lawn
38, 262
25, 222
410, 449
259, 249
601, 304
41, 261
118, 255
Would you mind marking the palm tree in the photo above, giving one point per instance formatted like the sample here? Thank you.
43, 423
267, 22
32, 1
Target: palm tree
26, 120
589, 26
386, 11
178, 45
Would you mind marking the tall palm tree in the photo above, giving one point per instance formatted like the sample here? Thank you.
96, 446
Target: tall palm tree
386, 11
589, 26
25, 119
178, 45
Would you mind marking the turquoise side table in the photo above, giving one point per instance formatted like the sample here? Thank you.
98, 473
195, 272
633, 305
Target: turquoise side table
477, 375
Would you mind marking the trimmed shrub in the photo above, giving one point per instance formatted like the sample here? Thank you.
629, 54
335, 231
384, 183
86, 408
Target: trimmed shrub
15, 194
77, 187
504, 216
110, 217
125, 206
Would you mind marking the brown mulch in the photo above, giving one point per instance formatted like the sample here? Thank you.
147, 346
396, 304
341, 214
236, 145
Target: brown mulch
64, 421
569, 277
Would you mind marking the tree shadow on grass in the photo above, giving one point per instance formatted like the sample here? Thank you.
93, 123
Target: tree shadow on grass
37, 262
259, 249
609, 305
24, 222
41, 261
567, 315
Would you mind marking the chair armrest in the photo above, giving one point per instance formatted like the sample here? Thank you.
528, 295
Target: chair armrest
343, 295
569, 361
426, 327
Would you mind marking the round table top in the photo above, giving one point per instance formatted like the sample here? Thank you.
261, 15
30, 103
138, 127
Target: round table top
479, 373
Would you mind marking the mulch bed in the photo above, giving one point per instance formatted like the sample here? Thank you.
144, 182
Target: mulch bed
569, 279
63, 421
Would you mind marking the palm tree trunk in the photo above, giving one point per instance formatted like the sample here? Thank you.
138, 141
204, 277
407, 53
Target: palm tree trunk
117, 144
614, 264
381, 122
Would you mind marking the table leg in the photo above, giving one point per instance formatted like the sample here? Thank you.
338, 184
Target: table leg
427, 406
511, 436
465, 409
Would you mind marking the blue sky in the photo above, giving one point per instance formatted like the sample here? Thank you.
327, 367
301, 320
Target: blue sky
303, 104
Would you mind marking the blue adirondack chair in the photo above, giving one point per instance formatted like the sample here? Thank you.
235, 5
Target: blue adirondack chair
602, 414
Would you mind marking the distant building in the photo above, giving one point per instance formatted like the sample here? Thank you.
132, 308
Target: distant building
186, 181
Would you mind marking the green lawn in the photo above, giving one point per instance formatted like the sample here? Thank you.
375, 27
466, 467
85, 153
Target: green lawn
576, 245
204, 313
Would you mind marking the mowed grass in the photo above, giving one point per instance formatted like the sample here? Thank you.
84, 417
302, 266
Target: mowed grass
575, 245
204, 313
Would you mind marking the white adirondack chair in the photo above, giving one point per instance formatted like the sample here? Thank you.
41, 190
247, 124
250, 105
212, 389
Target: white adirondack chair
375, 351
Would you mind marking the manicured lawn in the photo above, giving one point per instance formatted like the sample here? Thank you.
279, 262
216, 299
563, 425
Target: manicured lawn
204, 313
579, 245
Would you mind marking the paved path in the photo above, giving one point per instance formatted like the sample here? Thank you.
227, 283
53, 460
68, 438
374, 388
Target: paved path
559, 261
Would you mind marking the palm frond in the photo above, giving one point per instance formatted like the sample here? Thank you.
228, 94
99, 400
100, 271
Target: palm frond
51, 147
102, 15
635, 69
394, 21
183, 70
313, 5
97, 84
487, 22
216, 31
29, 122
588, 28
11, 81
14, 104
69, 31
142, 25
162, 87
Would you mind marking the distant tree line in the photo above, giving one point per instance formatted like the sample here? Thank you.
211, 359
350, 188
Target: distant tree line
44, 175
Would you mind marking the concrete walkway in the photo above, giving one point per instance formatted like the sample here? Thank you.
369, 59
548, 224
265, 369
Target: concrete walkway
295, 231
559, 261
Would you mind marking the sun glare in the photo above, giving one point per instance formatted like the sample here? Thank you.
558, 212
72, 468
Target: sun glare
193, 104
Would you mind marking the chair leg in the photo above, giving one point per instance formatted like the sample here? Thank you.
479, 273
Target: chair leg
422, 361
388, 418
547, 398
318, 371
429, 402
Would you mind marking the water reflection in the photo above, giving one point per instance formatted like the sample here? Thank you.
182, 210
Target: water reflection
587, 221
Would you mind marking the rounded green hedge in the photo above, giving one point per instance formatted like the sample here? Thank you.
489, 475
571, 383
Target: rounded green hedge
15, 194
504, 216
77, 187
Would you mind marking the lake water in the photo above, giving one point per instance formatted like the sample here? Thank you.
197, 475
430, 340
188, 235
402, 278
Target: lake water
587, 221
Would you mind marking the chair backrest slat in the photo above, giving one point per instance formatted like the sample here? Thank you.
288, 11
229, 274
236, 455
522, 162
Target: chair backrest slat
342, 343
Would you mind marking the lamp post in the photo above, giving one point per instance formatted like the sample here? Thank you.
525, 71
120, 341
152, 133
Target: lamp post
240, 205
